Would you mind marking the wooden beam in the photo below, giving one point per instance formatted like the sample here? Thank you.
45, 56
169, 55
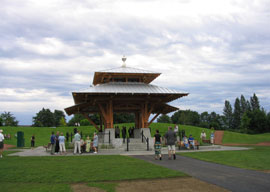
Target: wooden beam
90, 120
153, 118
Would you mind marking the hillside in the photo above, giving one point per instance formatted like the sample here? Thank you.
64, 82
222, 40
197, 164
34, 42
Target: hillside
43, 133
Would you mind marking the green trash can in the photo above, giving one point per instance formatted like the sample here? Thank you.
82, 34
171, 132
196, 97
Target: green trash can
20, 139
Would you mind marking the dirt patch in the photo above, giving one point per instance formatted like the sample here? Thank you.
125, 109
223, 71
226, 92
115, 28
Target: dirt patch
267, 143
6, 146
266, 171
186, 184
85, 188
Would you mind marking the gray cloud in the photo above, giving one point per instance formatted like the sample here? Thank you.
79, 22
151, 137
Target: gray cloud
214, 50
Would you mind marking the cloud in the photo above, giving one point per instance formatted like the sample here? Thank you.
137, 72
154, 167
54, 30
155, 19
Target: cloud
215, 50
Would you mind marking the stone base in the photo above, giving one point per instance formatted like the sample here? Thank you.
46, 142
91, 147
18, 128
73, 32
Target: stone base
138, 132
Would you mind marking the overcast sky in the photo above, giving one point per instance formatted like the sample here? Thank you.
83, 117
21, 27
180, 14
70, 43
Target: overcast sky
215, 50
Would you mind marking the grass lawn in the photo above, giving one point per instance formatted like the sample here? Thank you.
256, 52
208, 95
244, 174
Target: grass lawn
257, 158
43, 133
56, 173
232, 137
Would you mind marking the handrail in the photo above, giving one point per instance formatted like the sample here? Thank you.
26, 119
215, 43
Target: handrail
146, 139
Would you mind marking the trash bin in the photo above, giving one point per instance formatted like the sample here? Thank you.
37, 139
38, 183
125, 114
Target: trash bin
20, 139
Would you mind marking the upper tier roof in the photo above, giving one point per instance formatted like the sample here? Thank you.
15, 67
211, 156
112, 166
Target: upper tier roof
106, 76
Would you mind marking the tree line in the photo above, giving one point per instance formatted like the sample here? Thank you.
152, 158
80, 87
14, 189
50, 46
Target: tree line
247, 116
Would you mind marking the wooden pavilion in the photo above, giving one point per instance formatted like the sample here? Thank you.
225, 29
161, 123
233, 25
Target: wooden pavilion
124, 89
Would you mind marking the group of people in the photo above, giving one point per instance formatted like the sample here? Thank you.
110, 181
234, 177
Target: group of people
124, 132
170, 139
58, 143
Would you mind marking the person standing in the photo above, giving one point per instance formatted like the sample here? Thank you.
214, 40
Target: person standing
157, 144
171, 138
203, 136
32, 141
52, 143
57, 142
88, 144
124, 132
175, 129
95, 142
77, 143
117, 132
62, 146
67, 136
212, 137
1, 143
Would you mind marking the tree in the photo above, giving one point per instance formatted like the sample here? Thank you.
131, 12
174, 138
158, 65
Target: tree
245, 123
258, 122
228, 114
8, 119
164, 119
236, 114
75, 119
254, 102
205, 120
62, 122
243, 105
123, 118
44, 118
58, 115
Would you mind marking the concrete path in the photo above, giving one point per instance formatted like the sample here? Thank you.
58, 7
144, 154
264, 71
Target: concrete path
230, 178
40, 151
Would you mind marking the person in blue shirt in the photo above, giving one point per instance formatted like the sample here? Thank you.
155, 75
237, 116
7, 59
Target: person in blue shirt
191, 141
52, 143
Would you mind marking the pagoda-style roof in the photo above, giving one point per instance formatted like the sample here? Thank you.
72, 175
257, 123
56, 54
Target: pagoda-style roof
124, 74
127, 89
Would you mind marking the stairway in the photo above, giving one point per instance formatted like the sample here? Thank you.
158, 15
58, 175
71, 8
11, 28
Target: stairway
135, 144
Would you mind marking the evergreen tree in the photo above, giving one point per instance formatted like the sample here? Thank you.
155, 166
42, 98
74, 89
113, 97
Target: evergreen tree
243, 105
236, 114
254, 101
245, 122
164, 119
228, 114
205, 120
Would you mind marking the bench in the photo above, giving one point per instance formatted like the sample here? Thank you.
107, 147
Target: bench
47, 146
206, 140
182, 146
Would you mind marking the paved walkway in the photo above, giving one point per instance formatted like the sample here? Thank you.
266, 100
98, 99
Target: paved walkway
230, 178
40, 151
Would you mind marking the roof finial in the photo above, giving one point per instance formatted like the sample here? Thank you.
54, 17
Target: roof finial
124, 59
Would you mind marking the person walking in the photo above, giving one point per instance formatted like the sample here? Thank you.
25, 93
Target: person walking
2, 138
95, 142
52, 143
62, 146
170, 140
77, 143
32, 141
157, 144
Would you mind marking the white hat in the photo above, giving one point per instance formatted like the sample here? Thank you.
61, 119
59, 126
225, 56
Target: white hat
1, 130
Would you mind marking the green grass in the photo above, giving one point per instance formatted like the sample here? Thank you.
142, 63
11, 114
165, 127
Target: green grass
34, 187
43, 133
58, 171
232, 137
257, 158
108, 187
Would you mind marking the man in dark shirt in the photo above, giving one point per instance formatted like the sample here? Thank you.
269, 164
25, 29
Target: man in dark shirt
171, 138
52, 143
